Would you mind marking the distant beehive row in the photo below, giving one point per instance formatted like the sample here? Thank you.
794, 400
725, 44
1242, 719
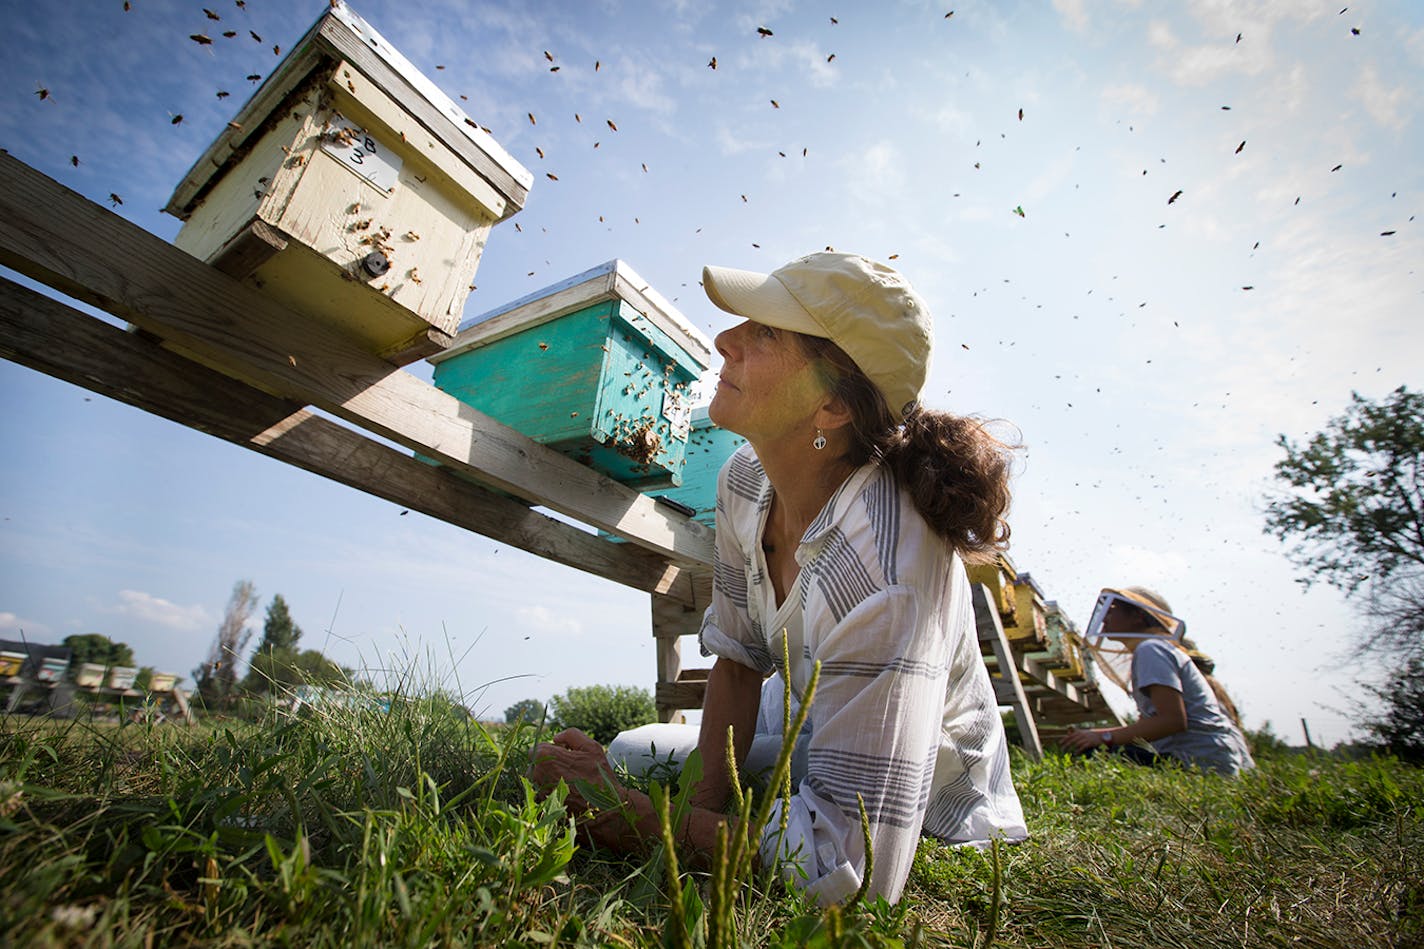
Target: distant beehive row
1030, 619
50, 665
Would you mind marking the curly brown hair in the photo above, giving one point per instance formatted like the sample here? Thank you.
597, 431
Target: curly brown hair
956, 471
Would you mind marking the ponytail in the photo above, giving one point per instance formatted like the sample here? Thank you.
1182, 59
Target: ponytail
1222, 699
956, 472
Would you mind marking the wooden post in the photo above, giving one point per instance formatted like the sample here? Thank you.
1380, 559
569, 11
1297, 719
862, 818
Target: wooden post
676, 689
180, 698
1007, 688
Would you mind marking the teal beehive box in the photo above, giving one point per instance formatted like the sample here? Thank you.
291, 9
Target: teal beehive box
599, 367
708, 448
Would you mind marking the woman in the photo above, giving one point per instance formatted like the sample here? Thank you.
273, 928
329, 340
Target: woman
1180, 710
842, 527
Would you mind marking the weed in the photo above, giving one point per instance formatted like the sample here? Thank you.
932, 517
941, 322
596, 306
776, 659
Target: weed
415, 827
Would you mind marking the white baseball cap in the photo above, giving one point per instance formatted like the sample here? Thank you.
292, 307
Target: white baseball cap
864, 307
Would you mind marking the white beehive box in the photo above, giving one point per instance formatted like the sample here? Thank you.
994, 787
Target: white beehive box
351, 189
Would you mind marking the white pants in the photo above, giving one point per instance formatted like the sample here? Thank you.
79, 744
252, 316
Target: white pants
640, 749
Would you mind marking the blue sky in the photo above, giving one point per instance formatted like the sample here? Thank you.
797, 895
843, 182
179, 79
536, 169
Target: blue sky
1111, 327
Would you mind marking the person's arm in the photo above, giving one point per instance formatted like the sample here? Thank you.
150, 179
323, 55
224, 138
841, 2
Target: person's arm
732, 698
633, 824
1170, 719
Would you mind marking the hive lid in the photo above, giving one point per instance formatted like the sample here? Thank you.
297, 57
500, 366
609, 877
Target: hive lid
1026, 578
613, 280
339, 34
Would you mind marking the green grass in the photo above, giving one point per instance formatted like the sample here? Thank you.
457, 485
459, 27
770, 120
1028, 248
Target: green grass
415, 828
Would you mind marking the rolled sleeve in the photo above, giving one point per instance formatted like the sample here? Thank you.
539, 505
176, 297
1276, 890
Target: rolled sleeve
715, 642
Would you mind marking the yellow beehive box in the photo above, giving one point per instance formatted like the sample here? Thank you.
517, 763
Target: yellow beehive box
11, 662
162, 682
353, 191
1064, 640
999, 578
1029, 620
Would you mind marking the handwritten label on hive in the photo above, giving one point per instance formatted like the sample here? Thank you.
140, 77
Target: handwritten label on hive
678, 411
358, 150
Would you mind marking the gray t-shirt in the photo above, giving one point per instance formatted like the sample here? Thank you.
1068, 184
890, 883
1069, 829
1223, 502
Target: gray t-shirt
1211, 741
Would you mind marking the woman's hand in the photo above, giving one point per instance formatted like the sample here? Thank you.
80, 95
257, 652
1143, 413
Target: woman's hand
1081, 740
580, 762
577, 759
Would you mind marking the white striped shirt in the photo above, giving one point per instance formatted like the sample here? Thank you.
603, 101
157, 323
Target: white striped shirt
904, 712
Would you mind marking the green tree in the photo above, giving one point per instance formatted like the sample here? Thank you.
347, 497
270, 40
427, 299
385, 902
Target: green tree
602, 711
94, 647
278, 630
314, 668
1354, 505
1352, 514
273, 661
281, 670
525, 710
1400, 730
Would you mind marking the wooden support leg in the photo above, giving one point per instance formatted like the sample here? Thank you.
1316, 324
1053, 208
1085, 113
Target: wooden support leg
1008, 690
672, 620
181, 699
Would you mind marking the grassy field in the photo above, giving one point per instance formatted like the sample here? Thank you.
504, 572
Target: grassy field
415, 828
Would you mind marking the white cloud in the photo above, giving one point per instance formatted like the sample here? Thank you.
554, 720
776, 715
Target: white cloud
153, 609
1384, 104
1074, 14
1136, 100
541, 619
954, 120
642, 86
877, 171
730, 144
818, 72
1132, 565
1200, 65
1160, 35
10, 624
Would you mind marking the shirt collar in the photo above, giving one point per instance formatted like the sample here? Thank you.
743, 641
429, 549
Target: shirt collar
835, 510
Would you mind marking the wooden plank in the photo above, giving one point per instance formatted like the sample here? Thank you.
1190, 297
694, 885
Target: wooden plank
249, 249
680, 695
1040, 671
58, 237
51, 337
990, 630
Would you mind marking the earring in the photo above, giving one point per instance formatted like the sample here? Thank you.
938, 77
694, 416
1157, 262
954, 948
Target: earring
820, 440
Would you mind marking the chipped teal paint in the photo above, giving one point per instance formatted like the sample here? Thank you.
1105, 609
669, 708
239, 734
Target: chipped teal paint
589, 384
708, 448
